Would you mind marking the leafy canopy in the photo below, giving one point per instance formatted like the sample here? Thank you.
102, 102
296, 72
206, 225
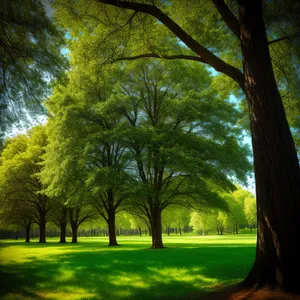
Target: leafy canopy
29, 58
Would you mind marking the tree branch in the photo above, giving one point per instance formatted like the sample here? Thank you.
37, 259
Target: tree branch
211, 59
279, 39
169, 57
228, 17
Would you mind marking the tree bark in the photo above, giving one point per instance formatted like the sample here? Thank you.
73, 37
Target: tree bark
157, 242
74, 233
111, 222
27, 229
112, 231
42, 228
63, 228
275, 161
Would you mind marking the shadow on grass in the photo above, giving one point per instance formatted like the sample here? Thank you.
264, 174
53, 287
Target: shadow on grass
94, 271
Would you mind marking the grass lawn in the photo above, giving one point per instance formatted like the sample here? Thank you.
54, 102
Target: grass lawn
91, 270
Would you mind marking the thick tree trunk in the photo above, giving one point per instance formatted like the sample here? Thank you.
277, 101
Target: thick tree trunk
63, 229
275, 162
74, 233
42, 228
157, 242
112, 232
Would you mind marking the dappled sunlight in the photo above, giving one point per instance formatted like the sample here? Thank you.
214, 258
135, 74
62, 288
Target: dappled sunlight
73, 293
21, 254
92, 270
195, 241
125, 279
192, 276
65, 275
104, 267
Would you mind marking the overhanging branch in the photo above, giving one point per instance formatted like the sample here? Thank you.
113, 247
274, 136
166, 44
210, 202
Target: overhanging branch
170, 57
210, 58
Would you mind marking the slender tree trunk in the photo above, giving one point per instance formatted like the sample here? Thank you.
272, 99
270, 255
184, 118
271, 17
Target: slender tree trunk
111, 219
63, 229
250, 228
275, 162
157, 242
140, 232
180, 231
42, 228
27, 229
74, 233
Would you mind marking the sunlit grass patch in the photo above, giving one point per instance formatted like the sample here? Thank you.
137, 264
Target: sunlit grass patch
124, 279
71, 294
21, 254
181, 274
92, 270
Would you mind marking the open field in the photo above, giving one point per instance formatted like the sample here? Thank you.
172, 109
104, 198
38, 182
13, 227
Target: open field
91, 270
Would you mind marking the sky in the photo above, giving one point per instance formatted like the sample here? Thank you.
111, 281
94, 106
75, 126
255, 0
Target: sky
48, 7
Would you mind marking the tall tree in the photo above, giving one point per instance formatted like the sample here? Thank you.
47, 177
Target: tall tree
15, 213
83, 150
20, 180
178, 137
196, 25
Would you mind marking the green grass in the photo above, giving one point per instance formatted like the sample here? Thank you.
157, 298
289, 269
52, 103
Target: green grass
91, 270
